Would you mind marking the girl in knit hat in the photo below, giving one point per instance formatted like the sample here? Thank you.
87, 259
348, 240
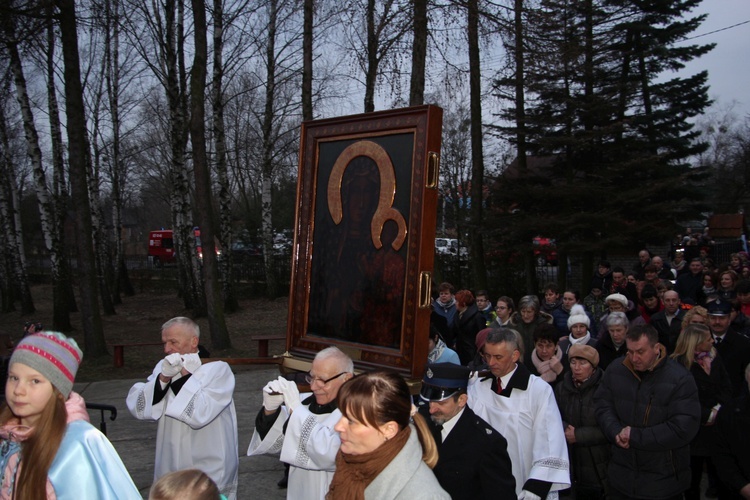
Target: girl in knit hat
47, 447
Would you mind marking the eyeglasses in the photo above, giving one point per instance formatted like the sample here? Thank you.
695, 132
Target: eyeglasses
311, 380
501, 308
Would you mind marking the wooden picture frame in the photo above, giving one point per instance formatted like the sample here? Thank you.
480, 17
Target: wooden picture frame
364, 238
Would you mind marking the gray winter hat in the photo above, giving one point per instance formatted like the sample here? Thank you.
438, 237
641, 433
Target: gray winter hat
52, 354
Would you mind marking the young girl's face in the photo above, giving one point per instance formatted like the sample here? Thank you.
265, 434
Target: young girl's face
27, 393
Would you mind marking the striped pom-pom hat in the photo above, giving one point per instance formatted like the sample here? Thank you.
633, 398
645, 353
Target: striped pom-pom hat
53, 355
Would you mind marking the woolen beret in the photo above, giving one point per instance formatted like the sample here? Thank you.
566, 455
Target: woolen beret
585, 352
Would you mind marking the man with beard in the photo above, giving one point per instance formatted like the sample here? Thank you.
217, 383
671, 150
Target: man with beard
474, 462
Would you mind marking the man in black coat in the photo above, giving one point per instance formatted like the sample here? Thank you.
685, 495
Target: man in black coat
733, 348
731, 448
668, 321
474, 462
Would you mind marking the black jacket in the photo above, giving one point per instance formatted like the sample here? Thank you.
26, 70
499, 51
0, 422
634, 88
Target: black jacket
668, 333
735, 353
731, 448
589, 455
464, 331
607, 350
474, 461
661, 407
713, 389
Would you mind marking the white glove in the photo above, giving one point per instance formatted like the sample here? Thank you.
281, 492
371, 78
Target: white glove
172, 365
191, 362
290, 392
272, 397
527, 495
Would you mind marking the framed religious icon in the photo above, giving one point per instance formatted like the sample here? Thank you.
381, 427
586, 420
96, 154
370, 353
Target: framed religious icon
364, 240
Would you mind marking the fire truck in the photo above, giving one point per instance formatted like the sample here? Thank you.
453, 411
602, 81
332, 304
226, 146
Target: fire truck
161, 247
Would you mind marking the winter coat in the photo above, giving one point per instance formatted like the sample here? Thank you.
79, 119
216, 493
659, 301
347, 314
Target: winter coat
589, 455
690, 288
731, 449
526, 330
662, 409
464, 332
735, 353
407, 477
607, 350
668, 333
713, 389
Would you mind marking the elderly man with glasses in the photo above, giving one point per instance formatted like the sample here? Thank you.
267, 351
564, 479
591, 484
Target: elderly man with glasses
302, 429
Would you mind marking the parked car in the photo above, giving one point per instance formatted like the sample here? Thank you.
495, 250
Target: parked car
449, 246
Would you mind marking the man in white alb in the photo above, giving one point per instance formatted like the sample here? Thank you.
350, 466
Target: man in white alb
522, 408
302, 430
194, 406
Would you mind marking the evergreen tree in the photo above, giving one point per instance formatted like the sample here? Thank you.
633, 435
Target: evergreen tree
609, 134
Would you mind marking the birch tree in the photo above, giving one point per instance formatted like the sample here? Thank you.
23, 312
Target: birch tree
47, 211
77, 150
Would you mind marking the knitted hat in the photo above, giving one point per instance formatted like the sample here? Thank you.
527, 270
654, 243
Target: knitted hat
578, 315
618, 297
53, 355
586, 352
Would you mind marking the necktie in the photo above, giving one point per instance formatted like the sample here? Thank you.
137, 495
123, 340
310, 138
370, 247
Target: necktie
499, 386
717, 340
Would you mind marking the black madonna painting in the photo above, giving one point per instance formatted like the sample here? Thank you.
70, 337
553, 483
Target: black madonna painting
364, 239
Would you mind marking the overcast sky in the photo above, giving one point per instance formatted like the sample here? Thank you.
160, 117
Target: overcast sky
728, 64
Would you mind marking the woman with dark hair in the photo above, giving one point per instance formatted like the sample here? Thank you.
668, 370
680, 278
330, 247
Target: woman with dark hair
710, 280
727, 281
466, 324
695, 351
387, 450
545, 356
504, 309
438, 352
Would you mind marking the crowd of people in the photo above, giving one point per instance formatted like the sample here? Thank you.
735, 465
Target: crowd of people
632, 392
649, 374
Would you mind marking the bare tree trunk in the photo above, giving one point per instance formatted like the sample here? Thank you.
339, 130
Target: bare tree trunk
216, 321
90, 317
308, 12
120, 279
272, 285
60, 192
419, 53
12, 234
225, 200
371, 74
104, 269
52, 232
184, 240
477, 155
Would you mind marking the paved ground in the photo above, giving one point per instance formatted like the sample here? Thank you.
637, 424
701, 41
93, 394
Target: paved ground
135, 440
